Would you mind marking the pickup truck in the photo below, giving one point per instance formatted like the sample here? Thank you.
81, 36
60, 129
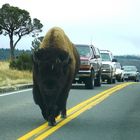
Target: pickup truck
90, 67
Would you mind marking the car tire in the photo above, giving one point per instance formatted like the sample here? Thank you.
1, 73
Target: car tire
89, 83
109, 81
114, 80
98, 80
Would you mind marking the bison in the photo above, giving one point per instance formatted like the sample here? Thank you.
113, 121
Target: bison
55, 65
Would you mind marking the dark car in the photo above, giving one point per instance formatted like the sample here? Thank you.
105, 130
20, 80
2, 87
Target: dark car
90, 68
131, 73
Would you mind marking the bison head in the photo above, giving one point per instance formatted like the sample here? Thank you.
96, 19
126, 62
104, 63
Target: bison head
51, 66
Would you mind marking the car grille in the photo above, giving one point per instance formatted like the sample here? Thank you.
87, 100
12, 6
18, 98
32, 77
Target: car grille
105, 66
126, 74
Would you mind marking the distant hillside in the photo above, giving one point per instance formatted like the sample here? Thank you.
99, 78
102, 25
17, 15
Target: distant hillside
124, 60
5, 53
129, 60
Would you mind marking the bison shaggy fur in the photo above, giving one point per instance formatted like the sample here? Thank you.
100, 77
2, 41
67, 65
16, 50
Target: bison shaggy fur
55, 65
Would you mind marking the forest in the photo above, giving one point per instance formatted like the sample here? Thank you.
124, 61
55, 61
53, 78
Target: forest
123, 59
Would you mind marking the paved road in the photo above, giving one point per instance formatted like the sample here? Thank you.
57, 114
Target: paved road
111, 115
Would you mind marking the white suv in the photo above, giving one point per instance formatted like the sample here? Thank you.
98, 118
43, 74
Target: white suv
108, 66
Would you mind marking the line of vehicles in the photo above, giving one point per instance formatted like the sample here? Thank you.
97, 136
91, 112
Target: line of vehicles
99, 66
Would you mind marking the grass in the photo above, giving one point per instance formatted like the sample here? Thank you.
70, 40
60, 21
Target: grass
9, 77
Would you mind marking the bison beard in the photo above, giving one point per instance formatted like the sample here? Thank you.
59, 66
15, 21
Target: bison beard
55, 64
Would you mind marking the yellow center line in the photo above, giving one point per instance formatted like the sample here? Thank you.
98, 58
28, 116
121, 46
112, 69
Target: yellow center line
77, 113
72, 113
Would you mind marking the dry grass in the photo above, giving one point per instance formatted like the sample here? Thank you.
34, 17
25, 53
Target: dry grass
10, 77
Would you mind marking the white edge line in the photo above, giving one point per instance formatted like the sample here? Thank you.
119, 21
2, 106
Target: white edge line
15, 92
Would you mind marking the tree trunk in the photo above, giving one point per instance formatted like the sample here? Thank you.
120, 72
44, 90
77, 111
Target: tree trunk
12, 49
12, 54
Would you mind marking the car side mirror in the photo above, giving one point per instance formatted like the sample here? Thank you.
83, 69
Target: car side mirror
93, 56
114, 60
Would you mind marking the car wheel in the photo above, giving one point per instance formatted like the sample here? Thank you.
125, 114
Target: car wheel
98, 81
109, 81
89, 83
113, 80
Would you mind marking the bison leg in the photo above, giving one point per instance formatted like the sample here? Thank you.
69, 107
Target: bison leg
63, 109
44, 111
53, 112
63, 114
44, 114
39, 101
49, 115
62, 106
51, 121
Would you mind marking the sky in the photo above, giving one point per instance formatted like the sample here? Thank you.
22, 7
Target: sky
107, 24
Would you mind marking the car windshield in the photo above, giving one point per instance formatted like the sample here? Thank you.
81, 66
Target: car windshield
84, 50
129, 68
105, 57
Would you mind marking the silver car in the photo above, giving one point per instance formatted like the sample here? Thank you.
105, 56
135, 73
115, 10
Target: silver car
131, 73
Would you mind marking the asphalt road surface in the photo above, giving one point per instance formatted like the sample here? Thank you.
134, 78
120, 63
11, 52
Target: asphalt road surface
109, 112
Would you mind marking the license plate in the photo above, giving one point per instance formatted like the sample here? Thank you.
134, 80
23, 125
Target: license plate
77, 78
125, 76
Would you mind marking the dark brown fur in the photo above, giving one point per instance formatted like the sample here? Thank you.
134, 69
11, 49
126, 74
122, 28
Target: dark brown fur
55, 65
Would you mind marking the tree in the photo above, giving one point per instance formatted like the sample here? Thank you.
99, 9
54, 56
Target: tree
17, 22
36, 42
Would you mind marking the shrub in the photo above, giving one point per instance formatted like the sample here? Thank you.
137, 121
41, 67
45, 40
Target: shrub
22, 62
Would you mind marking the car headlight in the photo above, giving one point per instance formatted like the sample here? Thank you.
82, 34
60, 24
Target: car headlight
133, 74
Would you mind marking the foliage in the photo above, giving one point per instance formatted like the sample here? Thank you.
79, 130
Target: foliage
5, 53
17, 22
36, 42
124, 59
129, 60
22, 62
128, 57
